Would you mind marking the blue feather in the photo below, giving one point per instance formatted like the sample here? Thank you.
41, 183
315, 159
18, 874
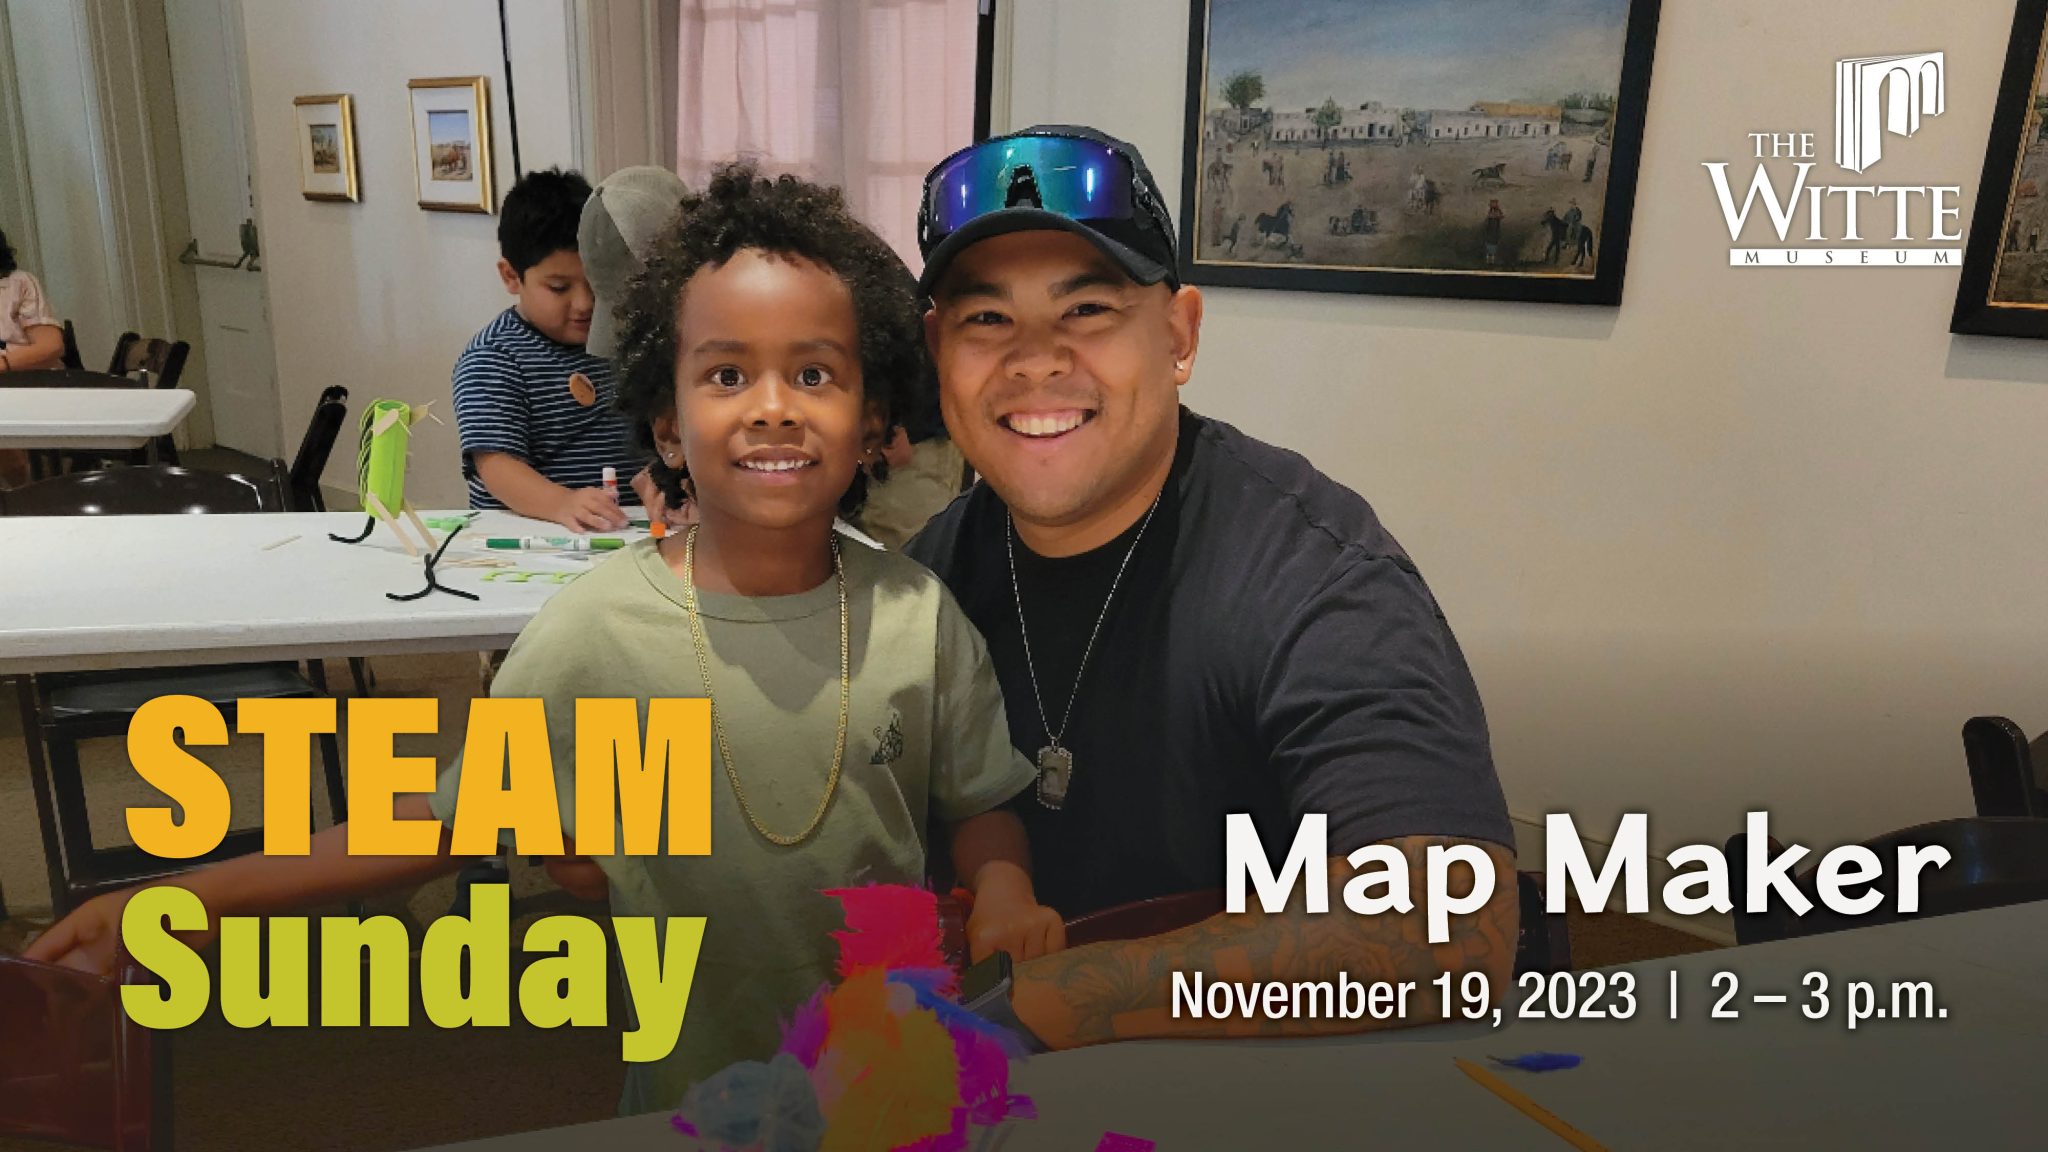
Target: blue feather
1538, 1061
925, 984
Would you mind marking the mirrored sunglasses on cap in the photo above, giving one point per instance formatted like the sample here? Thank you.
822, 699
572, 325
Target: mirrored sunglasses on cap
1083, 180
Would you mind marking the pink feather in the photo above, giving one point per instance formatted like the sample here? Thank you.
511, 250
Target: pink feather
888, 926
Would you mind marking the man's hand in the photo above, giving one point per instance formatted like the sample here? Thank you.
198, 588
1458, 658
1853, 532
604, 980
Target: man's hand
589, 510
90, 938
1007, 917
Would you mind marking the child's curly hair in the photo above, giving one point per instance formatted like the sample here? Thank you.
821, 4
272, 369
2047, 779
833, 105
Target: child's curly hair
787, 217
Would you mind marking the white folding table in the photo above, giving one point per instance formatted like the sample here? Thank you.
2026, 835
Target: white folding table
84, 592
85, 418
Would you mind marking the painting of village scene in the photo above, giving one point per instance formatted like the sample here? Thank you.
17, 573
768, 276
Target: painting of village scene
2003, 290
2023, 243
1420, 137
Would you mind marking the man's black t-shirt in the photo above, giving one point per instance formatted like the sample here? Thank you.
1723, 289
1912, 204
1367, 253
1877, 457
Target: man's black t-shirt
1270, 650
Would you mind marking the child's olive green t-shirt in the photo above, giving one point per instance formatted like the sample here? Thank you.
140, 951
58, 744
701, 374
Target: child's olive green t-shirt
926, 737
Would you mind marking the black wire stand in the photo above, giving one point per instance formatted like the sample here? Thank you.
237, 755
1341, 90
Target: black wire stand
434, 558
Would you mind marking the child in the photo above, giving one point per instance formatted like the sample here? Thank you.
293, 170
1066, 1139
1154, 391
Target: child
534, 409
851, 700
30, 338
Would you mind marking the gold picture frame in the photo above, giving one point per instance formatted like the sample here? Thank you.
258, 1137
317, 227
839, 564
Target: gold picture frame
451, 143
327, 147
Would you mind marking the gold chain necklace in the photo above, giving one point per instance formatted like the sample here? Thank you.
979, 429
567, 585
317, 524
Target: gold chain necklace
718, 725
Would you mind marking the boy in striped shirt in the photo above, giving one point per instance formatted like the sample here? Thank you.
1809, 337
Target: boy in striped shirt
532, 406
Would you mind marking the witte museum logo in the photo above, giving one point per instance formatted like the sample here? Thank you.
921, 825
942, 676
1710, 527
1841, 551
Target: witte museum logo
1875, 97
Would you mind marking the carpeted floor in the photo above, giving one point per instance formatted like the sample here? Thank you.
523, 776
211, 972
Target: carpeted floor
368, 1090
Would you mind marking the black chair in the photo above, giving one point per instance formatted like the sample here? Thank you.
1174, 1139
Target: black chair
156, 490
1992, 863
156, 364
164, 360
72, 359
2002, 768
60, 711
302, 482
303, 479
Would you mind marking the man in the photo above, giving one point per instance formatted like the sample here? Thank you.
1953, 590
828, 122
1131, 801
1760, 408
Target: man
1186, 622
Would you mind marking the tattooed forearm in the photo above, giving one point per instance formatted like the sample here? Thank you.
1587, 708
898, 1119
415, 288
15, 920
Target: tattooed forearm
1122, 990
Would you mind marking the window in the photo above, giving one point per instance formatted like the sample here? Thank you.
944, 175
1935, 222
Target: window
865, 94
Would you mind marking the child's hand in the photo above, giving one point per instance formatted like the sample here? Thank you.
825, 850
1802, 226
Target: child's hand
90, 938
656, 503
589, 510
1007, 917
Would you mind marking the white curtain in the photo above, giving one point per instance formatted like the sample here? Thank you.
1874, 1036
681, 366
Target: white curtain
865, 94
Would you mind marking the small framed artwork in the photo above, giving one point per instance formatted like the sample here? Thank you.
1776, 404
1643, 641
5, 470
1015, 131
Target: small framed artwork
451, 143
2004, 289
1415, 147
327, 148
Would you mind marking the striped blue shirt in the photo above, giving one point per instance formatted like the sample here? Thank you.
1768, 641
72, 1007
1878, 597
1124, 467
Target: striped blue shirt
512, 395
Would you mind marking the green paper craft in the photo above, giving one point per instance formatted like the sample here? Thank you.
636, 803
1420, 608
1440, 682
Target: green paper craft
380, 468
380, 485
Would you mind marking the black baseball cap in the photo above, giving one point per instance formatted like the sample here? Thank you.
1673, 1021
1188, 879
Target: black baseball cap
1060, 177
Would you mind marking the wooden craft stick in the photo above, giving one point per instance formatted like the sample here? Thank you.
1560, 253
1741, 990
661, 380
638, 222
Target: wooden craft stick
426, 536
1529, 1108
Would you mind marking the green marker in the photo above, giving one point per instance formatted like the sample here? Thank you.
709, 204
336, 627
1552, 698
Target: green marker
557, 543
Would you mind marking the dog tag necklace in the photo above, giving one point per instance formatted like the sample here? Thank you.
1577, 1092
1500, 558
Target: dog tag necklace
1055, 760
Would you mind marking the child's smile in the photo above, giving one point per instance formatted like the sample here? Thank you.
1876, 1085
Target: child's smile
778, 465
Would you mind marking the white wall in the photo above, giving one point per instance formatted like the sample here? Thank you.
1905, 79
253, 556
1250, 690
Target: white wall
1756, 537
544, 67
381, 296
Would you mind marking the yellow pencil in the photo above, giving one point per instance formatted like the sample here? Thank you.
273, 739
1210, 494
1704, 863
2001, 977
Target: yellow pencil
1529, 1108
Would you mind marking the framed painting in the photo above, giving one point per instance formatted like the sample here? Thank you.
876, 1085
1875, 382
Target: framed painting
1468, 148
327, 148
451, 143
2004, 287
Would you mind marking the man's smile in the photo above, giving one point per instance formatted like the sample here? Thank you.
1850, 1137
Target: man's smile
1047, 425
